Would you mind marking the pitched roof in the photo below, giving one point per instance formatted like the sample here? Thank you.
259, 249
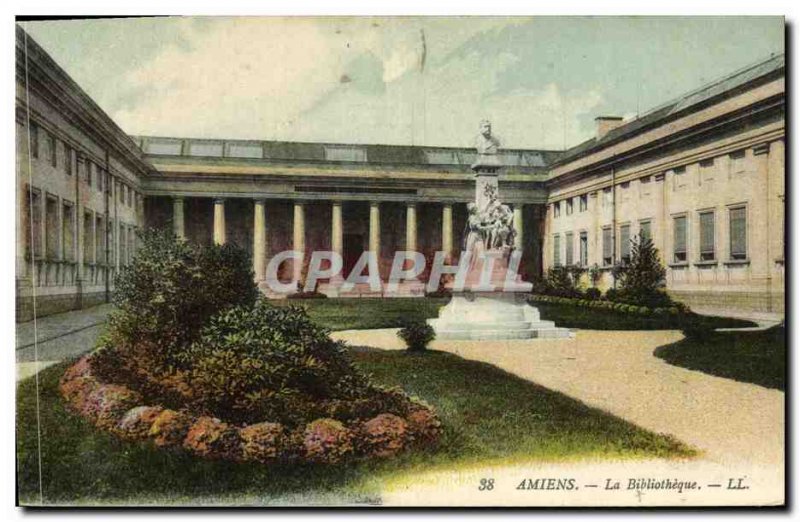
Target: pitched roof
722, 88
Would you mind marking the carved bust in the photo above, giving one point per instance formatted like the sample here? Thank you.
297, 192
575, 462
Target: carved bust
485, 143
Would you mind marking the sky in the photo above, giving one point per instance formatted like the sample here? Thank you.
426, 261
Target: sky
407, 80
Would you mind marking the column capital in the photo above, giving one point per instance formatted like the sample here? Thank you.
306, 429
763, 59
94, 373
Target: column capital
261, 201
219, 201
178, 198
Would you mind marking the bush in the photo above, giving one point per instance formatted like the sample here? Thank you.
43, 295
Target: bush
593, 293
265, 362
612, 294
212, 438
563, 281
417, 335
164, 298
642, 278
327, 441
384, 436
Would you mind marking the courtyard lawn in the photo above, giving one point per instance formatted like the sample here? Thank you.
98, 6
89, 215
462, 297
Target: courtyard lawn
489, 417
754, 357
368, 313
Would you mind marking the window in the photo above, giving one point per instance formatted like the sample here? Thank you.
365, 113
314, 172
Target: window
88, 245
205, 149
101, 175
583, 203
68, 160
556, 209
68, 231
241, 150
100, 239
625, 243
707, 236
738, 232
51, 224
89, 167
33, 230
644, 231
738, 162
34, 140
569, 206
130, 197
568, 237
131, 243
608, 246
679, 247
584, 249
123, 245
556, 250
52, 149
345, 153
121, 192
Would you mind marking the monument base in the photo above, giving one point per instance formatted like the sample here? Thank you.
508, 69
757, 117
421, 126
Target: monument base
499, 315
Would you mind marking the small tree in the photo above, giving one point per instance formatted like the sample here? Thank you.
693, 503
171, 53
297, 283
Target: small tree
641, 279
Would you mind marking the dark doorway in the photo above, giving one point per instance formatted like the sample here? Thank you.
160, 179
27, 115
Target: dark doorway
353, 248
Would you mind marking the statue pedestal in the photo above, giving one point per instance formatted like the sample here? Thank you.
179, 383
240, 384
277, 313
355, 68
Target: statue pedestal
478, 314
493, 315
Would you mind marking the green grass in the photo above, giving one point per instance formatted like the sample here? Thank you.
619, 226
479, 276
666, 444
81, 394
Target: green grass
361, 314
367, 313
489, 416
754, 357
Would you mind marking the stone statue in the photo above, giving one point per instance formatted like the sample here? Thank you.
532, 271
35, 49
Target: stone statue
485, 143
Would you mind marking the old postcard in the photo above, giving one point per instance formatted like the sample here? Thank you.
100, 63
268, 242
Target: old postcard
401, 261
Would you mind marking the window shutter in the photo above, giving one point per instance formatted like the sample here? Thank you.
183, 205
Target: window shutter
707, 233
738, 233
607, 246
680, 234
556, 250
569, 241
625, 241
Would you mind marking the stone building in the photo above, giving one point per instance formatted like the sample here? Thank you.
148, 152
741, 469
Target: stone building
84, 188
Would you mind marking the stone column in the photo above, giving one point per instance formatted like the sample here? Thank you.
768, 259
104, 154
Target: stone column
178, 221
518, 226
375, 229
411, 227
259, 240
299, 238
447, 229
219, 221
337, 230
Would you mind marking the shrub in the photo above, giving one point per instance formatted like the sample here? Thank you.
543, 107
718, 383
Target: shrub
265, 362
138, 421
384, 436
170, 428
210, 437
107, 403
261, 442
563, 281
417, 335
163, 299
641, 279
612, 294
327, 441
593, 293
643, 310
425, 428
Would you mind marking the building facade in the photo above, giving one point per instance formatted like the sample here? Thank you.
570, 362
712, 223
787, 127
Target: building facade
707, 166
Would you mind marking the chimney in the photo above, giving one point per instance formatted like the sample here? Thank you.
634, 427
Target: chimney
606, 124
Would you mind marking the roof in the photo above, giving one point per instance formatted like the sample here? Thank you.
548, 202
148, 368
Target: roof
710, 93
159, 146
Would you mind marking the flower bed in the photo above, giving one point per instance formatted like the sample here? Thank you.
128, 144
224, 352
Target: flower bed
120, 410
610, 305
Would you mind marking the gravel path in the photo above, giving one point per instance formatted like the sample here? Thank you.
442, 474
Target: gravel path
616, 371
737, 426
